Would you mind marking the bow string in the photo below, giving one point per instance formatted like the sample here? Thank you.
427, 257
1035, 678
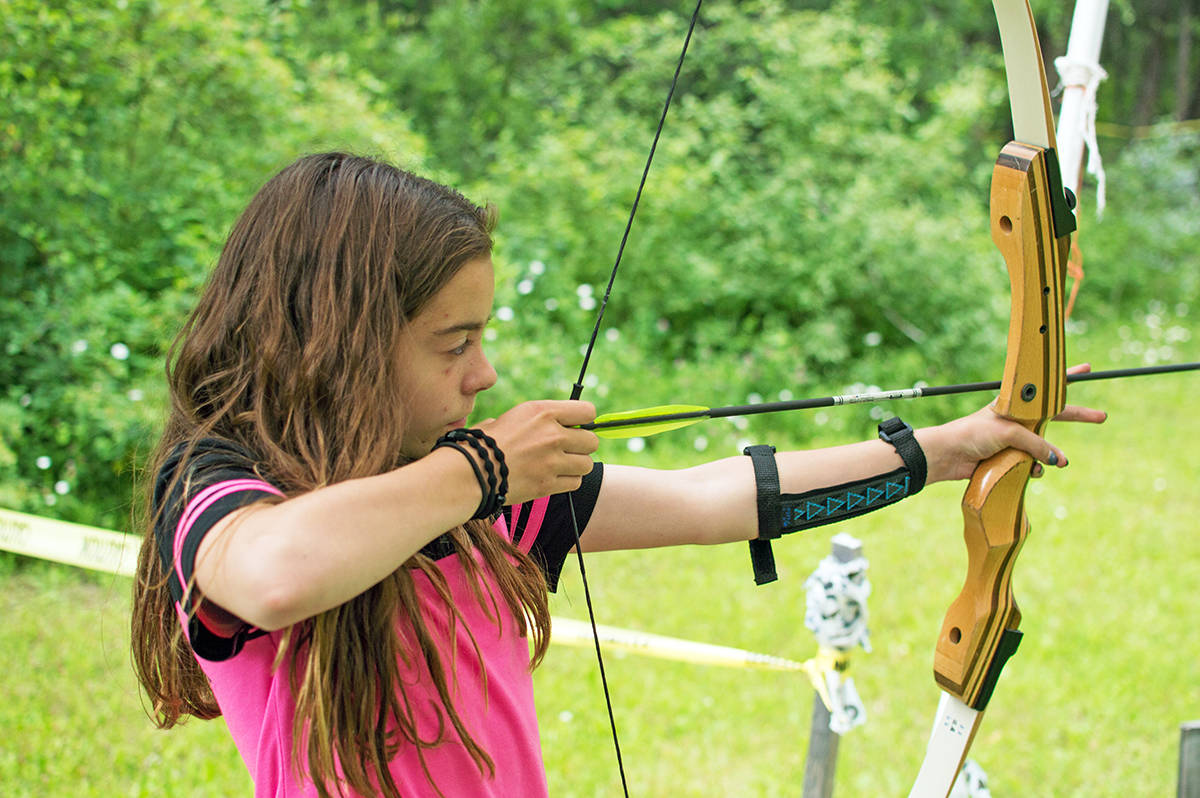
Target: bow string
577, 389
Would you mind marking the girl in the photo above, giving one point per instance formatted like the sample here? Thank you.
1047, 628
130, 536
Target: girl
327, 562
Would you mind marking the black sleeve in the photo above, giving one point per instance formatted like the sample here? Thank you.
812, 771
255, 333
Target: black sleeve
183, 476
556, 537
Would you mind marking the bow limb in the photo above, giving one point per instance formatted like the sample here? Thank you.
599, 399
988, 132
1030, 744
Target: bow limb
1031, 225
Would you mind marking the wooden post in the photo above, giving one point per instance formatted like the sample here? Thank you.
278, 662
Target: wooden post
1189, 760
822, 753
821, 764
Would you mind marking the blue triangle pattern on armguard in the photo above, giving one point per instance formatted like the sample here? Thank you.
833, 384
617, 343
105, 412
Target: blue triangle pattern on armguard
827, 505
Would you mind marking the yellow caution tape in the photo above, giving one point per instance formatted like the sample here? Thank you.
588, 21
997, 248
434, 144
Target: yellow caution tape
569, 631
72, 544
827, 660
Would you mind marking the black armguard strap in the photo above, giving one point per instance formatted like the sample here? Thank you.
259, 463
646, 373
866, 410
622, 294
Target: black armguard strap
837, 503
904, 441
766, 481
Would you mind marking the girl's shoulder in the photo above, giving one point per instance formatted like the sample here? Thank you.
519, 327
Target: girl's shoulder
194, 465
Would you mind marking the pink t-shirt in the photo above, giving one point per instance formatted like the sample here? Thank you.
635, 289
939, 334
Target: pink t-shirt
492, 688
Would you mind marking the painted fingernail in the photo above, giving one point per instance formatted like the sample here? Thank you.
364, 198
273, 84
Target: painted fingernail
1052, 458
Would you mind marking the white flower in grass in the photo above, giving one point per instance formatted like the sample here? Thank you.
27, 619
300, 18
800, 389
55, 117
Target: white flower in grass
136, 395
79, 347
537, 267
525, 287
62, 487
587, 302
43, 462
551, 304
873, 338
119, 351
636, 444
785, 395
1177, 334
612, 333
701, 443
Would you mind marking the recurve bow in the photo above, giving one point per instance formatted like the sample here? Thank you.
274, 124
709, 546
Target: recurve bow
1031, 223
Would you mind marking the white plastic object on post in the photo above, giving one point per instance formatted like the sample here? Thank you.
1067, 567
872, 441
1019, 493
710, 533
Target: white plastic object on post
836, 613
836, 606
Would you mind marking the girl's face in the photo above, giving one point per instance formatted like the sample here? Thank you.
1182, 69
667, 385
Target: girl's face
443, 364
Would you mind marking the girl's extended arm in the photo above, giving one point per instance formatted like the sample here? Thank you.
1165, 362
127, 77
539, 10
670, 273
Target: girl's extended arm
716, 502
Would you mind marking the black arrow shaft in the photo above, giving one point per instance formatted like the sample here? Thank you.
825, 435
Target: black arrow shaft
875, 396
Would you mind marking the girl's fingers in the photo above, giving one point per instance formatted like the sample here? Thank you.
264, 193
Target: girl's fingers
1085, 414
581, 441
569, 412
577, 465
1038, 447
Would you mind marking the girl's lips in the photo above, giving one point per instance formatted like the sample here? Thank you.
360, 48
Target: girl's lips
462, 422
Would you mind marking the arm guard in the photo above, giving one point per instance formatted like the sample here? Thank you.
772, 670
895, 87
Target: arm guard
779, 514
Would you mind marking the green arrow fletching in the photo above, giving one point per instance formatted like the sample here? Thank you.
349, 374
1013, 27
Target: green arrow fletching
634, 429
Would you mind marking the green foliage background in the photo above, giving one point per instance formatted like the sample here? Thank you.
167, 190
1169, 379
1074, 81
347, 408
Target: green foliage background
812, 222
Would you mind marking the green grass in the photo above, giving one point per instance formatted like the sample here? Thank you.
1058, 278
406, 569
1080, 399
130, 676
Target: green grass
70, 714
1090, 706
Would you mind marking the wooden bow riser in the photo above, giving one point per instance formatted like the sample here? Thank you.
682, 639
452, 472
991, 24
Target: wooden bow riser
1034, 385
1033, 391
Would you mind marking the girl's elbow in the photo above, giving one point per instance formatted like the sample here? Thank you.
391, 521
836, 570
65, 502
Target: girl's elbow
268, 599
276, 607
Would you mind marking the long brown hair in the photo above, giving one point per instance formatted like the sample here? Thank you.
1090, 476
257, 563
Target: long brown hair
290, 354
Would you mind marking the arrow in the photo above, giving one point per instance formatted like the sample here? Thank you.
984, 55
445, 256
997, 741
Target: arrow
664, 418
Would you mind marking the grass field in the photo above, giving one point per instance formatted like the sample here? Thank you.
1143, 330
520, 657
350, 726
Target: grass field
1090, 706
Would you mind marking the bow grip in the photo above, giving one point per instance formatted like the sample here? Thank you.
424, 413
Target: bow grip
972, 645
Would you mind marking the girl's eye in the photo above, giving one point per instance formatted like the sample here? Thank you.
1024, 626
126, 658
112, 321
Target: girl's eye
461, 348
